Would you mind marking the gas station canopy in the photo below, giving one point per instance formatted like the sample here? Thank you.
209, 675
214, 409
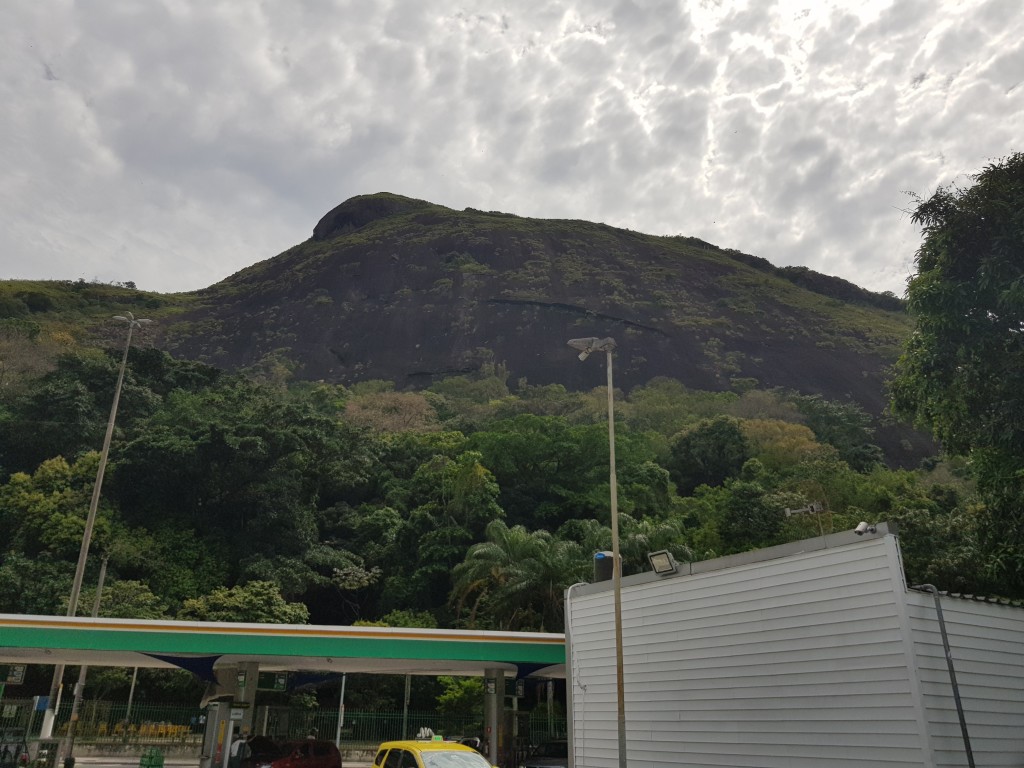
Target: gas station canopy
276, 647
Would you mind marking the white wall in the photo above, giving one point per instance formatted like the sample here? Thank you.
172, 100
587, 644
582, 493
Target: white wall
987, 646
801, 661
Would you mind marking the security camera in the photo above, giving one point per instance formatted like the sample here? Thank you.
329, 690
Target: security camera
863, 528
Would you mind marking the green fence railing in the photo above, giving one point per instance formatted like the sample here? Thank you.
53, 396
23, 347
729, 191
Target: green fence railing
102, 722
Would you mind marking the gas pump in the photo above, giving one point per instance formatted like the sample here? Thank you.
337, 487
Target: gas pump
218, 734
226, 717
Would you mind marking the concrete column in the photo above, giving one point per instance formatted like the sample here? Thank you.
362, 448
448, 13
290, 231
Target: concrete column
246, 693
211, 732
494, 714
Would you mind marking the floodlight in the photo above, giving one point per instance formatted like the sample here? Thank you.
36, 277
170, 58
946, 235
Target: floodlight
662, 562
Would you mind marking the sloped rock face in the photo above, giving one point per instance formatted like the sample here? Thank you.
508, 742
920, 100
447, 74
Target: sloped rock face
402, 290
357, 212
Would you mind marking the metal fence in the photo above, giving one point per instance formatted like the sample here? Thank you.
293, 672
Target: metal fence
103, 722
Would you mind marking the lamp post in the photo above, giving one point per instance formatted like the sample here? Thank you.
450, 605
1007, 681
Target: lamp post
585, 347
83, 672
90, 520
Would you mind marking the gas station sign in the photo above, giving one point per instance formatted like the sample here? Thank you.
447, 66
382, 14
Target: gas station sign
13, 674
272, 681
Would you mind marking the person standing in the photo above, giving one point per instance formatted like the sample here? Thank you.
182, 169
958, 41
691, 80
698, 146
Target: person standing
239, 749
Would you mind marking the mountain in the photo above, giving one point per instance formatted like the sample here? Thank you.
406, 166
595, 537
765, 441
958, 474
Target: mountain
399, 289
393, 288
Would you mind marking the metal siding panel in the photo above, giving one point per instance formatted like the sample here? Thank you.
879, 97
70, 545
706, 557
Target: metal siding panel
782, 663
988, 656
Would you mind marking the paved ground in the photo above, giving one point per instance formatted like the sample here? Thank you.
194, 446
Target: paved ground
169, 762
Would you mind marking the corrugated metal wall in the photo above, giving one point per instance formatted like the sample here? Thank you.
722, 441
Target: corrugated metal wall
798, 662
987, 646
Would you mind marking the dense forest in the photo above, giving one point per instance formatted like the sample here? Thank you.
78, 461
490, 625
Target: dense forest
474, 502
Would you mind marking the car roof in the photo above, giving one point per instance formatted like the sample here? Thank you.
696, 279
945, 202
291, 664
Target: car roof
413, 744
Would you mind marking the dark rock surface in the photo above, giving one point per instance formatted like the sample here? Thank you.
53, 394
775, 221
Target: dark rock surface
403, 290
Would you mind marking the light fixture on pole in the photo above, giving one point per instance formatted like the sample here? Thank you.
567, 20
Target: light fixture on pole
586, 347
90, 520
662, 562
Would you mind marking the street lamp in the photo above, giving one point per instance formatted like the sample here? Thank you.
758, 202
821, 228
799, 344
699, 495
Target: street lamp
585, 347
90, 520
83, 671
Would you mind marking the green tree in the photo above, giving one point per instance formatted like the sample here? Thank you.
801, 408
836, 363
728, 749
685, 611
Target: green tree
123, 600
392, 412
845, 426
174, 560
34, 585
23, 355
461, 695
517, 578
638, 537
541, 400
410, 618
45, 513
753, 518
667, 406
550, 472
257, 601
535, 461
248, 471
708, 453
65, 412
962, 372
452, 501
780, 445
646, 489
120, 600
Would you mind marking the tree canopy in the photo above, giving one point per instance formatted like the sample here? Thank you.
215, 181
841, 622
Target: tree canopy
962, 374
468, 504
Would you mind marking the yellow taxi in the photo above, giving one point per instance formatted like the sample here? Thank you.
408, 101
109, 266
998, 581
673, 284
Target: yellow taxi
428, 754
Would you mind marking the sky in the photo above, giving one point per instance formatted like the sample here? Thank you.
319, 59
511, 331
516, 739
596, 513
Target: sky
171, 143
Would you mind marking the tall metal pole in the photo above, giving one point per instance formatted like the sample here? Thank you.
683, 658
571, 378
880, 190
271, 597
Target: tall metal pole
405, 708
617, 568
586, 347
83, 672
341, 712
131, 695
90, 521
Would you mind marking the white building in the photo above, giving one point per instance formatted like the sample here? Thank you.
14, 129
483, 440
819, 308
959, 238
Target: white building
810, 655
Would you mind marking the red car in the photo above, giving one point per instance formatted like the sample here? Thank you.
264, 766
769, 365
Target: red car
308, 753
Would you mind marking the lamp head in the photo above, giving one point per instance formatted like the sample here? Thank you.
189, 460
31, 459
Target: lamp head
592, 344
132, 321
662, 562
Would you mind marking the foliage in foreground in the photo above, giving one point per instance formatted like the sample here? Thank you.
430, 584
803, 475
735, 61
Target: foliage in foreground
227, 499
216, 482
962, 374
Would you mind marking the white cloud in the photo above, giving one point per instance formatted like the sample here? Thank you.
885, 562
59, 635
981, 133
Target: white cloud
175, 143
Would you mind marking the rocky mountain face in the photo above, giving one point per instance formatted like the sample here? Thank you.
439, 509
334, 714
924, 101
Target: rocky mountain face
403, 290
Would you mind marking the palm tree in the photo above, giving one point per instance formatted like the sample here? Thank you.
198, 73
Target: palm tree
486, 567
649, 534
519, 577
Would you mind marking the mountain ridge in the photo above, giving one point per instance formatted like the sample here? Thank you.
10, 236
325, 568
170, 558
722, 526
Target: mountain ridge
389, 287
403, 290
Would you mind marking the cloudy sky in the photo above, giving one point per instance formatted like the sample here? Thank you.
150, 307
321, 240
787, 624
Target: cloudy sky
174, 142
